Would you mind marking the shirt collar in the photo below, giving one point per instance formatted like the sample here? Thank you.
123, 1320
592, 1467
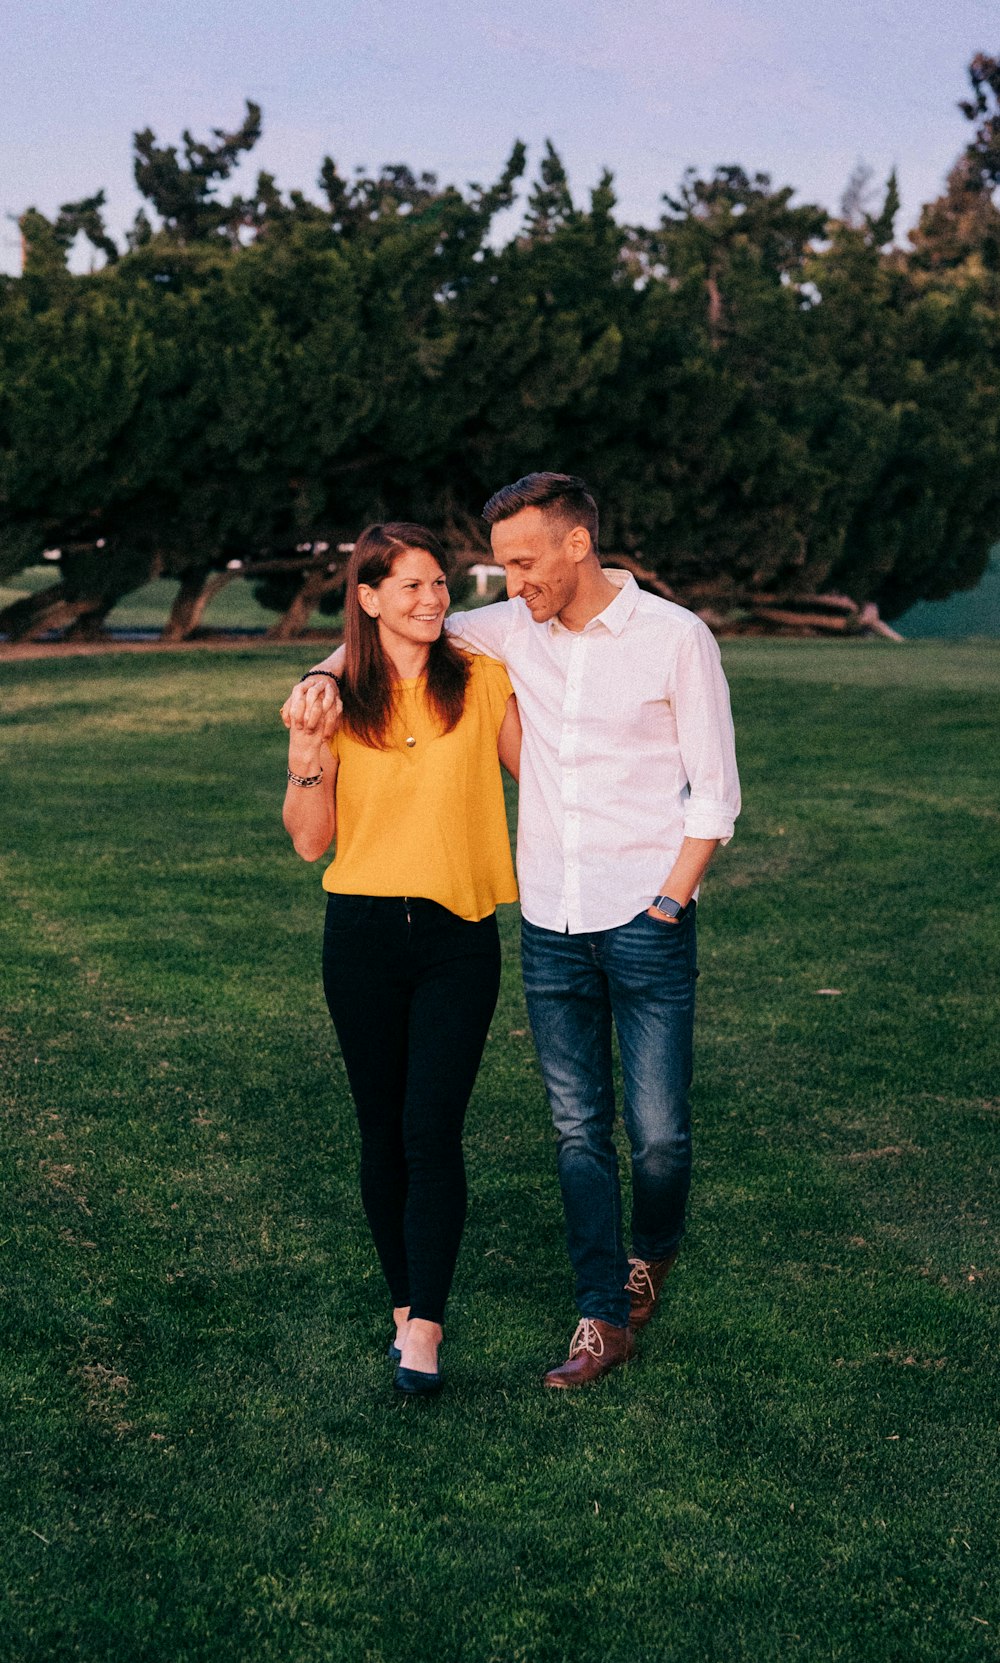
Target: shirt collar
617, 612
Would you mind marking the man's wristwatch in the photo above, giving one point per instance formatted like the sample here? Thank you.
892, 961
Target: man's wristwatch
670, 908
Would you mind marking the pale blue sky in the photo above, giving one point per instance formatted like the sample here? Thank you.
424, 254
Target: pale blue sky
800, 90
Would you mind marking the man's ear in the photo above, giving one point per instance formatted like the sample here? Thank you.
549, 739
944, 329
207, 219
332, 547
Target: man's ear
578, 544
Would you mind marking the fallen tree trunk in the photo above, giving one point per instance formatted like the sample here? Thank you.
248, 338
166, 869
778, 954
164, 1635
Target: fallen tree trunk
828, 603
642, 574
822, 614
872, 620
824, 621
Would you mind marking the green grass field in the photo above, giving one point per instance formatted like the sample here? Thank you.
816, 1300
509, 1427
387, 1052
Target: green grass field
204, 1457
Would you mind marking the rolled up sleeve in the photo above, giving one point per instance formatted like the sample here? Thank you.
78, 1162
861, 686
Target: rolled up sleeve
700, 696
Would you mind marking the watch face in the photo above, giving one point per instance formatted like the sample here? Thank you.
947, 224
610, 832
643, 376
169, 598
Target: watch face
663, 903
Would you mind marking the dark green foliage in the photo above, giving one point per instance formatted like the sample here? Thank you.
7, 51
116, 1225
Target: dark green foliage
883, 226
984, 108
48, 242
856, 208
767, 401
550, 204
183, 193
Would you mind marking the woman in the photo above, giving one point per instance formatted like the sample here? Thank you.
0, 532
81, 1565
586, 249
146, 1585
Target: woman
410, 785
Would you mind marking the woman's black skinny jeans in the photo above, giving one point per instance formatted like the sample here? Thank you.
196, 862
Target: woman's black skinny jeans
411, 989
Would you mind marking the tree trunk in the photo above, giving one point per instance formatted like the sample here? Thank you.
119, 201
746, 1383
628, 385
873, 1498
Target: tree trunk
316, 582
90, 586
199, 585
89, 625
34, 615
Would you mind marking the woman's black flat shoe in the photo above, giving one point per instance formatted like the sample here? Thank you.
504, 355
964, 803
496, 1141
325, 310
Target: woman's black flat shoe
393, 1353
415, 1383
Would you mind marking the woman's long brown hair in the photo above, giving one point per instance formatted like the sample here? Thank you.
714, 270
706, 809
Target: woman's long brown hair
368, 690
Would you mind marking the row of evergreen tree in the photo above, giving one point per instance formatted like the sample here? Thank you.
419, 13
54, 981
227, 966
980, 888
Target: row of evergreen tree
770, 403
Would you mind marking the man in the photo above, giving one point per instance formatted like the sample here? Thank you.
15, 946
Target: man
628, 785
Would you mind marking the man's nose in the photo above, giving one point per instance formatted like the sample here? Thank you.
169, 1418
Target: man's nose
515, 583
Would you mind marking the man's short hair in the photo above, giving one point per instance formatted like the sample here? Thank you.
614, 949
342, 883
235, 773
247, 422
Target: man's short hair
562, 495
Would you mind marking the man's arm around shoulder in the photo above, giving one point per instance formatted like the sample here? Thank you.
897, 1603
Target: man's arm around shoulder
486, 629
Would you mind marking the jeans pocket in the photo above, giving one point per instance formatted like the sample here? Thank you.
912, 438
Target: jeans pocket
667, 926
673, 926
673, 945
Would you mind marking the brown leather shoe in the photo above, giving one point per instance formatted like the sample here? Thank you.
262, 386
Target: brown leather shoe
646, 1278
595, 1349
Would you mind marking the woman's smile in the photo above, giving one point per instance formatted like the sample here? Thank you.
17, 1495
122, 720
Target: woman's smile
411, 602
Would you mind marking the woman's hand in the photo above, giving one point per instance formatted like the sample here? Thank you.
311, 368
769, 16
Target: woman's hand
310, 810
307, 735
325, 707
313, 707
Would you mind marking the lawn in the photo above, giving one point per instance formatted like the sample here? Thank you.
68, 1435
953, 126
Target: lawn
205, 1459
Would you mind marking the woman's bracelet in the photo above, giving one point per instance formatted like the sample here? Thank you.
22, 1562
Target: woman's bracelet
333, 678
304, 779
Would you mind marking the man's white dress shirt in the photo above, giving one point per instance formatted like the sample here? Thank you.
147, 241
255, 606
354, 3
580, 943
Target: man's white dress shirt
628, 749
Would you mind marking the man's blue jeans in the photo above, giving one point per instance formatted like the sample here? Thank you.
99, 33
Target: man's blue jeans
642, 976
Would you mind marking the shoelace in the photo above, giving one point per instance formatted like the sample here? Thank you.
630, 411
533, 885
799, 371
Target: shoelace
586, 1338
640, 1281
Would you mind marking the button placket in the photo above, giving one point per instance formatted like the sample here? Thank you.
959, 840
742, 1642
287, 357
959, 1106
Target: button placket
570, 792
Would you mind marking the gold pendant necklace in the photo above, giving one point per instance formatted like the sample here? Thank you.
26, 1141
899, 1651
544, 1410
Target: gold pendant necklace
410, 739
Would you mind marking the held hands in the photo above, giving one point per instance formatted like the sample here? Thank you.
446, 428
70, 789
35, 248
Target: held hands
310, 713
312, 710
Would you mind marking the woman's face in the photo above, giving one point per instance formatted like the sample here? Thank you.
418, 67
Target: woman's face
411, 602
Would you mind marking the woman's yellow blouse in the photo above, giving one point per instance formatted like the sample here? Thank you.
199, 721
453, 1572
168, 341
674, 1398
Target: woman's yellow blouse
428, 819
